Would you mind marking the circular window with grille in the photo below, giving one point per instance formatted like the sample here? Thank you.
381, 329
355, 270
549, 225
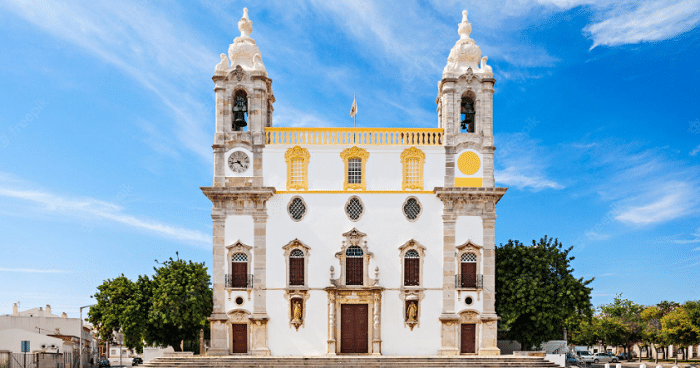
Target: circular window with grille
296, 208
411, 209
354, 208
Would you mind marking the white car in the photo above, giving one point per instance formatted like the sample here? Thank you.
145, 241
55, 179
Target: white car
600, 358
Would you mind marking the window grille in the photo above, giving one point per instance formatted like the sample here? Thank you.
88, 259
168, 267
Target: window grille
240, 257
354, 266
413, 171
411, 269
354, 209
469, 257
411, 209
297, 209
354, 171
297, 174
296, 267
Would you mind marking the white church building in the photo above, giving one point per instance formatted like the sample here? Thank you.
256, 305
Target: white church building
376, 241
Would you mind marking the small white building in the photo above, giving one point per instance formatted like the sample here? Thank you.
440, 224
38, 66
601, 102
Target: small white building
353, 240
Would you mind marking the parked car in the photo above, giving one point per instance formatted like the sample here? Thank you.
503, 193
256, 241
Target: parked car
136, 361
626, 356
600, 358
583, 352
104, 363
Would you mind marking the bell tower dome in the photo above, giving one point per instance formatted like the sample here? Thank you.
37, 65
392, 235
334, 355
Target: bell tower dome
465, 112
244, 101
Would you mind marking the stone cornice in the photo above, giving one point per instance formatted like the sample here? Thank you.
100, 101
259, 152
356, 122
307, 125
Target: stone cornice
470, 201
239, 198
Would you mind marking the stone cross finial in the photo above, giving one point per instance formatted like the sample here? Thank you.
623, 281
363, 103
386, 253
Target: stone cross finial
245, 25
465, 28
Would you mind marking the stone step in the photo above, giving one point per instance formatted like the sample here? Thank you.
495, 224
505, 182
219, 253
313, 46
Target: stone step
349, 361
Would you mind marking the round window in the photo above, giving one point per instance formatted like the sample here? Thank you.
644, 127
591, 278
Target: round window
411, 209
297, 209
239, 301
468, 300
354, 209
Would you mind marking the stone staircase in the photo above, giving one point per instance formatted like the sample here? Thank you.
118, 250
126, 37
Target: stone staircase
350, 361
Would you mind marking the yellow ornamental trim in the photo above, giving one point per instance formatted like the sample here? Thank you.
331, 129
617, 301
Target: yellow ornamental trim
355, 136
412, 161
297, 159
363, 155
468, 163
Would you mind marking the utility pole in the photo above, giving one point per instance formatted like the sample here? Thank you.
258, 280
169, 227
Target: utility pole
80, 346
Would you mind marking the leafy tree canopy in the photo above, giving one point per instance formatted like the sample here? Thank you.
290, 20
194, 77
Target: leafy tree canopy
536, 291
171, 307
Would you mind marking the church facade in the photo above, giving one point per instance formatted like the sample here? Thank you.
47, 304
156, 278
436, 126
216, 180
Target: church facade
353, 240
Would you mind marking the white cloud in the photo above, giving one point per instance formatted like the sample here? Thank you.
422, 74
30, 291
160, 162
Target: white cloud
90, 208
591, 234
695, 151
671, 201
31, 270
523, 161
518, 177
649, 21
144, 42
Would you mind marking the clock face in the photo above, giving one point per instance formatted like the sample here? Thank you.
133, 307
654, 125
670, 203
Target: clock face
238, 162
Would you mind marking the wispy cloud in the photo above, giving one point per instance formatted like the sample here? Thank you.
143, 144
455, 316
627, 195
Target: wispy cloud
524, 163
671, 201
649, 21
83, 207
695, 151
144, 42
31, 270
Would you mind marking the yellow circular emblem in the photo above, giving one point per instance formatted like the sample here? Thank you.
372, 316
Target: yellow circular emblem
468, 163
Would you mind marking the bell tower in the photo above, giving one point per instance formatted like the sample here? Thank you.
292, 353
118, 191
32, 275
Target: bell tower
465, 112
244, 101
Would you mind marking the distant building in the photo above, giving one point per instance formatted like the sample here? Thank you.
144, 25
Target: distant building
47, 332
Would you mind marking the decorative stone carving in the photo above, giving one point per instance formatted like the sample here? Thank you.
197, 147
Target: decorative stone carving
486, 69
243, 51
221, 67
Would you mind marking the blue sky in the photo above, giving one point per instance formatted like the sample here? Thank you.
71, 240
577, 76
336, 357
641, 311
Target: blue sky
107, 118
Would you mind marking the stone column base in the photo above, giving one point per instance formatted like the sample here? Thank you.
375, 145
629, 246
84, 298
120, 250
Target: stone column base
448, 334
258, 346
219, 335
489, 351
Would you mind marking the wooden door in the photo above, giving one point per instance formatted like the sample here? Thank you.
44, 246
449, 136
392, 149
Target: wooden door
239, 274
468, 274
240, 338
468, 339
353, 328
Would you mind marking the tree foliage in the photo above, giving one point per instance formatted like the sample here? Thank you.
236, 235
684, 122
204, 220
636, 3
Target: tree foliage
536, 292
171, 307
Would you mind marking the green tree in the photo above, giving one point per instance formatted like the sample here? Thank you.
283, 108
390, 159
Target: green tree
536, 291
171, 307
678, 329
650, 335
121, 306
180, 303
627, 314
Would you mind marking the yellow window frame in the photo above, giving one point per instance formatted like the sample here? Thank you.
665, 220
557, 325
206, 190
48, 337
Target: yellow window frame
406, 156
293, 153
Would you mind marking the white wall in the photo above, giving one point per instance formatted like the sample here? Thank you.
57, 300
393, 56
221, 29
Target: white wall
326, 167
11, 340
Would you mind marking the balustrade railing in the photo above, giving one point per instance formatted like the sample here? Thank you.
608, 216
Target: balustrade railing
469, 281
356, 136
238, 281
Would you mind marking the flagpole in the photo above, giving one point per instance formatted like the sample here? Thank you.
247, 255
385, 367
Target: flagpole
354, 117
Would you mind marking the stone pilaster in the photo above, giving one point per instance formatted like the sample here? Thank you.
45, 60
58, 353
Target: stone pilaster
259, 318
219, 162
331, 321
219, 333
448, 318
488, 341
377, 324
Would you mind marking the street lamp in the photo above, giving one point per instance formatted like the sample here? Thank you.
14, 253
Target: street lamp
80, 346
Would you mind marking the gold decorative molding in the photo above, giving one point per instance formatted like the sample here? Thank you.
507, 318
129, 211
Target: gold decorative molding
407, 156
363, 155
297, 153
364, 192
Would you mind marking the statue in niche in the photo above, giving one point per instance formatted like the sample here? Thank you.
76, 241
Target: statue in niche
467, 112
296, 311
412, 311
240, 108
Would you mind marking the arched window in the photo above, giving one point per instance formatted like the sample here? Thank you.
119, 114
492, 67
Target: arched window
468, 112
354, 266
239, 110
411, 268
239, 271
296, 267
468, 270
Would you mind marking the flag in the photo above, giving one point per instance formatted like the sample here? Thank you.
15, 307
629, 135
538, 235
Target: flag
353, 110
